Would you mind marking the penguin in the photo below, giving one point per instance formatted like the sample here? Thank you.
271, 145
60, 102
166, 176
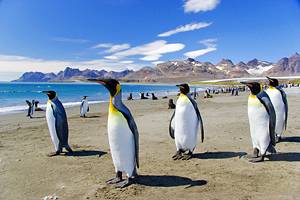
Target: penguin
279, 101
123, 135
32, 108
29, 111
84, 106
57, 123
185, 123
262, 119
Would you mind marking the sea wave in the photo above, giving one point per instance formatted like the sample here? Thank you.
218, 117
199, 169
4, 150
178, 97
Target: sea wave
19, 109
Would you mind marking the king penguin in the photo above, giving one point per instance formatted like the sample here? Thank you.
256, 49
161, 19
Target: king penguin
123, 135
262, 119
279, 101
57, 123
84, 106
185, 123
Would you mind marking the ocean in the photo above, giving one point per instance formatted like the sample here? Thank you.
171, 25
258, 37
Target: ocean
14, 95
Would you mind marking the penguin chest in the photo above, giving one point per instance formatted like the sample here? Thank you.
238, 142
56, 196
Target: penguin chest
51, 125
84, 108
121, 142
186, 124
259, 123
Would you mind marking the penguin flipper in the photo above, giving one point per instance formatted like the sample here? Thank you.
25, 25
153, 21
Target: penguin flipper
284, 99
172, 126
198, 115
133, 127
81, 105
266, 101
28, 103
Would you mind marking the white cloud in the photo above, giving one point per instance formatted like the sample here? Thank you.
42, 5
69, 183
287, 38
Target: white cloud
157, 62
112, 48
126, 62
21, 64
70, 40
210, 46
151, 57
111, 57
196, 6
197, 53
211, 42
151, 51
185, 28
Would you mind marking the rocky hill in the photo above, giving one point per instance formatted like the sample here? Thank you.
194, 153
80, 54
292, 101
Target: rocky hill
179, 70
190, 70
71, 74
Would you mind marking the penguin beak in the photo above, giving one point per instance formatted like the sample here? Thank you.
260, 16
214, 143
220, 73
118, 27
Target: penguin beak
106, 84
45, 92
270, 79
180, 86
246, 83
100, 81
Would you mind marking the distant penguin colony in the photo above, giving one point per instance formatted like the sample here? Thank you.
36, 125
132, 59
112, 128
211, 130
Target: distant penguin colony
123, 135
262, 119
279, 101
57, 123
267, 114
84, 106
185, 123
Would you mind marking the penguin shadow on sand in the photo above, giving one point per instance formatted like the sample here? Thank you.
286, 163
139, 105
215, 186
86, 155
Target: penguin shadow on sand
288, 156
84, 153
92, 116
219, 155
167, 181
290, 139
39, 117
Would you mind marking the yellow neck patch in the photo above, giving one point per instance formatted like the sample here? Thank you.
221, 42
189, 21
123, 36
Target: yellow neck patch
272, 88
252, 96
112, 108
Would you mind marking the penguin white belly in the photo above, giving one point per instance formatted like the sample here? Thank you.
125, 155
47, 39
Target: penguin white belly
259, 124
279, 108
51, 125
186, 124
84, 108
121, 142
32, 110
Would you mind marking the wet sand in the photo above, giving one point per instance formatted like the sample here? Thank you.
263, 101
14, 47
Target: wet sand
218, 170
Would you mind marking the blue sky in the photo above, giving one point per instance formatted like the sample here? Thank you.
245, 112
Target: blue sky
118, 34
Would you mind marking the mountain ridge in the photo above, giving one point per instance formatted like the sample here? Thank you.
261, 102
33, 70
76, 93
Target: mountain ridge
183, 70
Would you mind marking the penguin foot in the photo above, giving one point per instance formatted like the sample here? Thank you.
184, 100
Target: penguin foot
114, 180
258, 159
254, 155
177, 156
124, 183
69, 149
187, 156
53, 154
250, 156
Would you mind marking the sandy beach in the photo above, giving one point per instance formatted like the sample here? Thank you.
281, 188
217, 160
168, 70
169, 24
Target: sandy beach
217, 171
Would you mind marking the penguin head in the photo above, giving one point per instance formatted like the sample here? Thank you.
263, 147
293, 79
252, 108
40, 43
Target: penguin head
112, 85
51, 94
273, 81
184, 88
254, 87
